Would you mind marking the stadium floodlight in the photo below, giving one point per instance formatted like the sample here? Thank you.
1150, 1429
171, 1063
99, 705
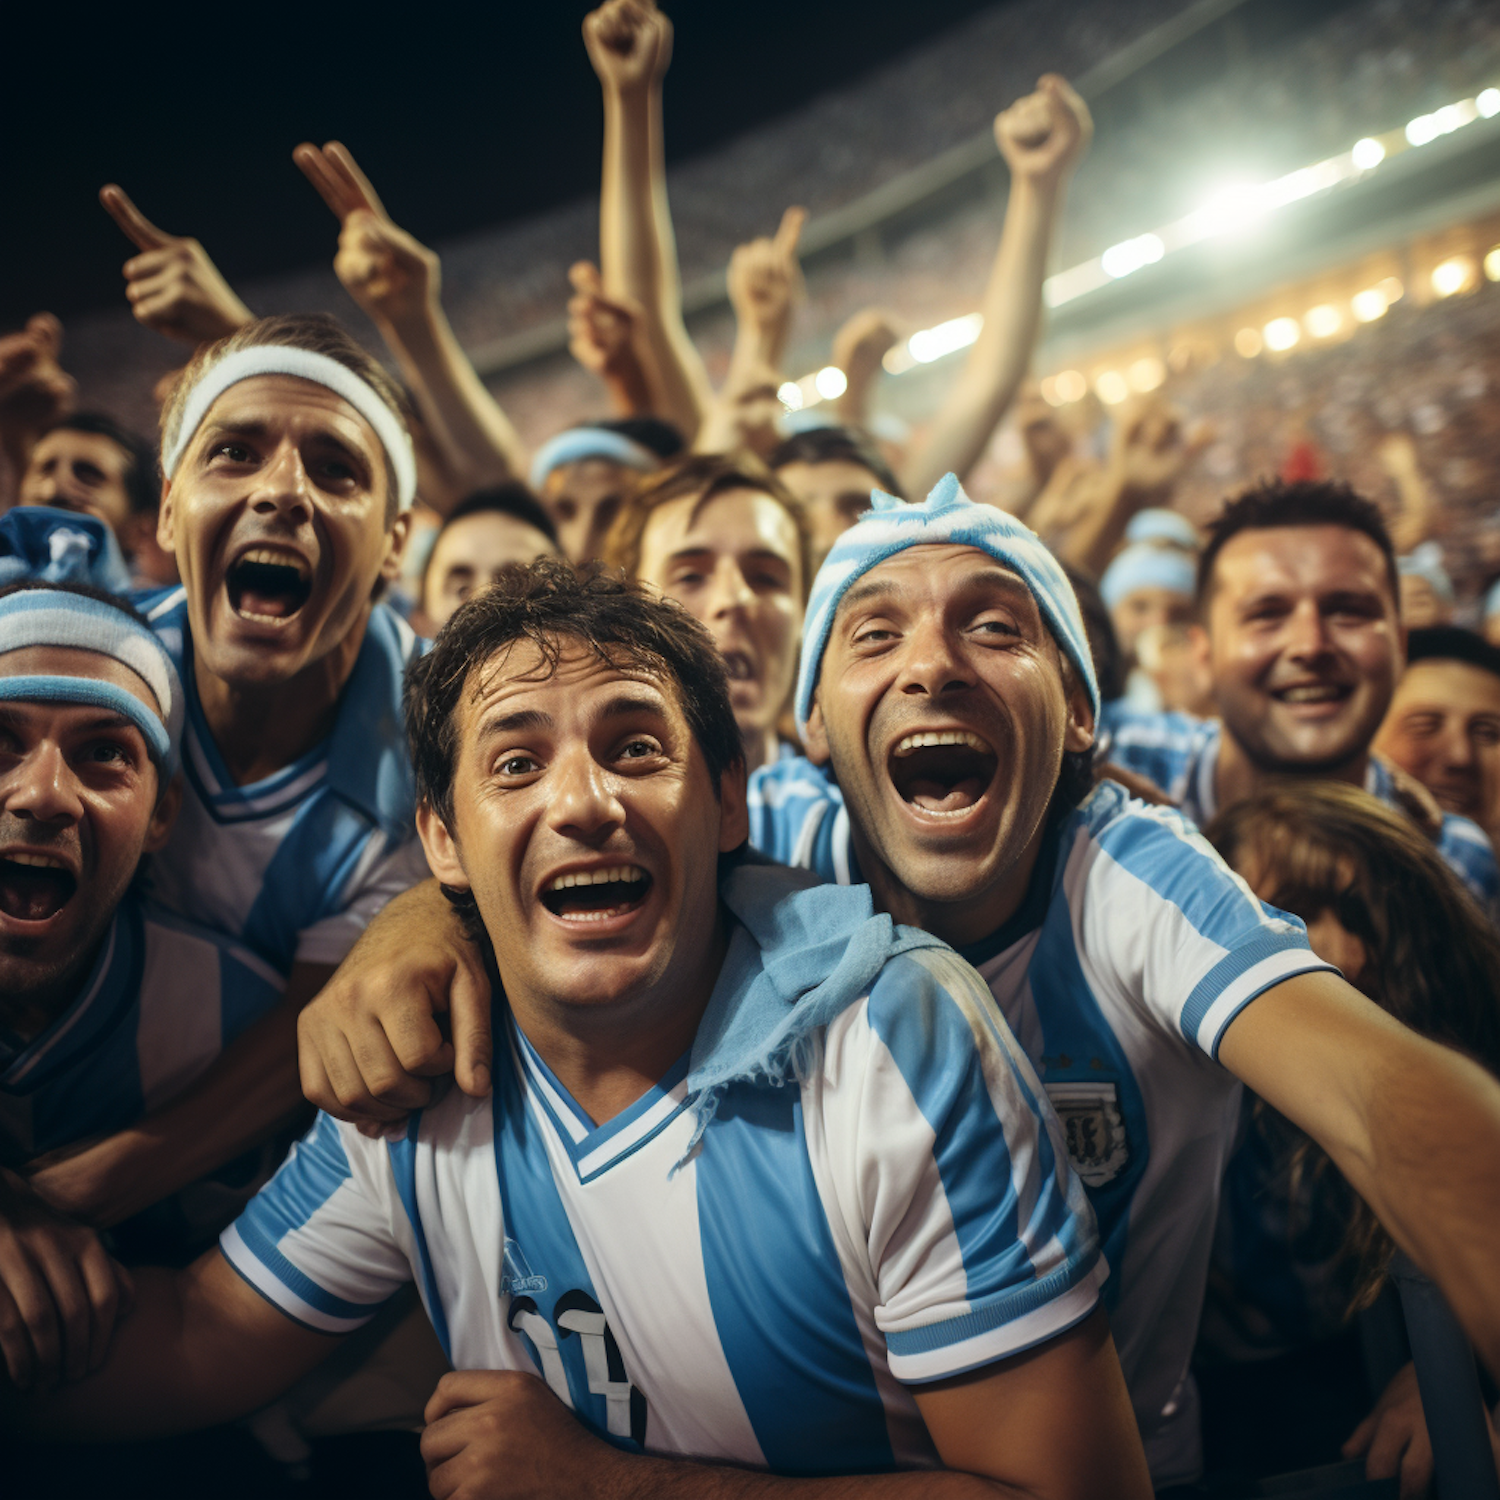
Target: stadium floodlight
946, 338
1422, 130
1323, 321
1367, 154
1488, 103
1112, 387
1452, 275
1146, 374
1368, 304
1248, 343
1492, 264
789, 393
1391, 289
1282, 334
1130, 255
831, 382
1071, 385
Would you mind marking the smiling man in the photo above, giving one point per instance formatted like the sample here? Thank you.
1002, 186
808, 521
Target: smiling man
1298, 596
722, 1207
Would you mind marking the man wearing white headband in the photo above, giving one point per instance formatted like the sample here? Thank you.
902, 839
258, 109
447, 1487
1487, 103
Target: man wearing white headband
106, 1009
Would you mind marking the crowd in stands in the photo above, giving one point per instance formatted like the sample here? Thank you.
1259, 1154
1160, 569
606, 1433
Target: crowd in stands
703, 953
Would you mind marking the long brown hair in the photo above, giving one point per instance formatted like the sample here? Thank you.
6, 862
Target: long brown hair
1432, 956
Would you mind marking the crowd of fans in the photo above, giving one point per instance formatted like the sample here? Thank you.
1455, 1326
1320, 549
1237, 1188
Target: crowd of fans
807, 979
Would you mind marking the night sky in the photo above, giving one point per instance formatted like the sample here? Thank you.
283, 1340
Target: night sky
471, 117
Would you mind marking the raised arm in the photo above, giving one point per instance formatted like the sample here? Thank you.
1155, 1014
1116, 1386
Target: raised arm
604, 336
629, 43
34, 393
173, 287
397, 282
1414, 1126
1041, 137
858, 349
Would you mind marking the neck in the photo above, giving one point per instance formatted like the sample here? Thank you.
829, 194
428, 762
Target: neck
259, 728
27, 1011
1237, 776
761, 746
961, 922
608, 1056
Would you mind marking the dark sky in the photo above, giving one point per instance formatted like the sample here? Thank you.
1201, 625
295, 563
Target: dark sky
464, 116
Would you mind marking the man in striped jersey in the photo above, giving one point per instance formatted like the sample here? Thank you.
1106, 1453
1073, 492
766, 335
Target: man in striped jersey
765, 1180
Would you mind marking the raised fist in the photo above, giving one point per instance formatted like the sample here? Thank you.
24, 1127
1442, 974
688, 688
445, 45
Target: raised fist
1043, 135
34, 389
173, 287
600, 329
629, 43
1150, 448
764, 277
864, 341
392, 276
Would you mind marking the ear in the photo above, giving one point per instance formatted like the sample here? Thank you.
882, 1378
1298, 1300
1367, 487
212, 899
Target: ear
163, 816
815, 736
395, 545
441, 849
1078, 734
734, 814
165, 534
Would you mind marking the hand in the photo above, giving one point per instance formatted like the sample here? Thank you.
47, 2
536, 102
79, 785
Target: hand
500, 1432
1393, 1438
861, 344
1043, 135
600, 329
172, 286
34, 389
370, 1044
629, 43
392, 276
1149, 450
60, 1292
765, 281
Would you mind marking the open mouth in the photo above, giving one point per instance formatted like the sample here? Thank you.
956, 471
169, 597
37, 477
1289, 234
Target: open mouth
1312, 692
739, 667
944, 773
34, 887
595, 895
268, 585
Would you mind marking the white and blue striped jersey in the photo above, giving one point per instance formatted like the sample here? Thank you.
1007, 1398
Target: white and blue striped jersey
1134, 950
902, 1214
295, 865
162, 1001
1181, 755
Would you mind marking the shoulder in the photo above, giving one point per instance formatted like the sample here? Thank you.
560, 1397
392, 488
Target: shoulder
1467, 848
179, 949
792, 777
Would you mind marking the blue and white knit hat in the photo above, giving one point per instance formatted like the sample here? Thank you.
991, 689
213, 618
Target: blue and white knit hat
1426, 561
1147, 566
1169, 527
57, 616
947, 517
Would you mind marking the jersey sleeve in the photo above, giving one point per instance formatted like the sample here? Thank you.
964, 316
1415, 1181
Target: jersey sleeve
381, 877
1158, 746
797, 816
980, 1239
1468, 852
1161, 919
321, 1240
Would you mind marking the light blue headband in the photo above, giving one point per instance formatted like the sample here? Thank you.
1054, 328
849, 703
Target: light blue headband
1426, 561
59, 617
1147, 566
579, 443
1157, 525
947, 517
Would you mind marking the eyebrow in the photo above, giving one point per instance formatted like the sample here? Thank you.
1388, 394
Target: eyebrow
260, 429
534, 718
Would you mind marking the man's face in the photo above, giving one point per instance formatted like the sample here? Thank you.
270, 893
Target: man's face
277, 517
734, 564
583, 500
833, 495
1142, 608
1421, 605
1444, 728
78, 808
587, 827
1304, 644
471, 554
82, 471
942, 705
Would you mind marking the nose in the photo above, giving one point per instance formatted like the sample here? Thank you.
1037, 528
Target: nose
1458, 749
729, 590
931, 666
283, 486
42, 787
1307, 632
583, 804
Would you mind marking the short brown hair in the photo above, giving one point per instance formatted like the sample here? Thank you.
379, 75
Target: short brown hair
318, 333
701, 475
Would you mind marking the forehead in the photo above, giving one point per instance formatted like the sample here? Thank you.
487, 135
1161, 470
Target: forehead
518, 678
65, 443
286, 405
839, 476
737, 520
70, 661
588, 480
489, 539
1457, 685
1300, 558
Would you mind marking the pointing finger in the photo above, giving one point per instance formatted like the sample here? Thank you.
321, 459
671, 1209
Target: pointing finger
584, 275
790, 231
343, 160
137, 227
331, 186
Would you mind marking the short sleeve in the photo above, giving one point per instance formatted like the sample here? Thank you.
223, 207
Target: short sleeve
980, 1239
320, 1240
389, 873
797, 816
1161, 919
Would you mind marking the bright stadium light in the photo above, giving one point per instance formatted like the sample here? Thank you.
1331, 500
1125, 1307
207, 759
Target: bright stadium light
831, 382
1323, 321
1281, 334
789, 393
1112, 387
1422, 130
1049, 391
1146, 374
1248, 343
1492, 264
1130, 255
1452, 275
946, 338
1368, 304
1488, 103
1391, 289
1367, 154
1072, 386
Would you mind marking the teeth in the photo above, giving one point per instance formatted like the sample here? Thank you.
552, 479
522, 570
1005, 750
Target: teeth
597, 877
40, 861
942, 737
1322, 693
277, 559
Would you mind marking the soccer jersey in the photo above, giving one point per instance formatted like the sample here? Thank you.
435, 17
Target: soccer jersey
1181, 755
296, 864
162, 1001
1135, 948
897, 1212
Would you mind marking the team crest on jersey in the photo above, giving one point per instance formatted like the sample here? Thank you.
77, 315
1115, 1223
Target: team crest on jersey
1090, 1114
516, 1275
